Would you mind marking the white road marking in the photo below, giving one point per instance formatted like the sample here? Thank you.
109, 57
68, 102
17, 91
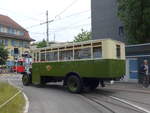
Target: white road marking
7, 101
131, 104
27, 103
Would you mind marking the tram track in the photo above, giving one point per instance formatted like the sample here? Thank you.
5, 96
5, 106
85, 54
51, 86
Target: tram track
111, 103
125, 97
132, 100
99, 103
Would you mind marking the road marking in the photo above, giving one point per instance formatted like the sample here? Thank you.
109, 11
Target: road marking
7, 101
131, 104
27, 103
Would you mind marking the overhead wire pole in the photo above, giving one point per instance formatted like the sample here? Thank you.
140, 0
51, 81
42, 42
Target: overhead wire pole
47, 27
47, 32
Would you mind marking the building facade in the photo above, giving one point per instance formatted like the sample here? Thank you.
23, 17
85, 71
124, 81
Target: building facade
15, 39
105, 22
135, 55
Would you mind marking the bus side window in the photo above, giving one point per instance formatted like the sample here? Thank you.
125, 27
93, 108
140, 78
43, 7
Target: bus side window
83, 53
69, 55
97, 52
118, 51
48, 54
77, 54
61, 55
42, 56
66, 55
51, 56
34, 55
37, 57
55, 56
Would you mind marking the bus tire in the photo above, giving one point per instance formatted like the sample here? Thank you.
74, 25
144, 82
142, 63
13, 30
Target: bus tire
26, 79
74, 84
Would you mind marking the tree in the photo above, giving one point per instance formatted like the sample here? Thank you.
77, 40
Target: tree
42, 44
83, 36
3, 55
135, 15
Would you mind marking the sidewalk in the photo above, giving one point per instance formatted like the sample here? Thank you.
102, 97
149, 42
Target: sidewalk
127, 86
8, 74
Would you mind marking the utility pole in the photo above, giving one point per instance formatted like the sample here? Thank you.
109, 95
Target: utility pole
47, 27
47, 24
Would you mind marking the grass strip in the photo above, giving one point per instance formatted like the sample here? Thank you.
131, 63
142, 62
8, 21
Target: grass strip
14, 106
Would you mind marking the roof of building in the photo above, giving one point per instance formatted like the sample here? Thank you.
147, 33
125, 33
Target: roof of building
8, 22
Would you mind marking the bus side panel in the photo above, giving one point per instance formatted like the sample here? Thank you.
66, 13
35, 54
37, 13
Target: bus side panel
35, 73
104, 68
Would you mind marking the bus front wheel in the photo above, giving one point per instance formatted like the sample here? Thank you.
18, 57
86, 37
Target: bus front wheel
25, 79
74, 84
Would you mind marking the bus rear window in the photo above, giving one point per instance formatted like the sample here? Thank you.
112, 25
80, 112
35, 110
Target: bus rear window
97, 52
118, 51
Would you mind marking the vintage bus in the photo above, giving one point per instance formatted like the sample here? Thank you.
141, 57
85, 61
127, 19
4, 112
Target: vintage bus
79, 65
19, 66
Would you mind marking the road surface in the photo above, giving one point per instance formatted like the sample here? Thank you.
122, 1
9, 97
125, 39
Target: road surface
54, 98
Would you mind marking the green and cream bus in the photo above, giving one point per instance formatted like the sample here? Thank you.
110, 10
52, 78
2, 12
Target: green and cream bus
78, 65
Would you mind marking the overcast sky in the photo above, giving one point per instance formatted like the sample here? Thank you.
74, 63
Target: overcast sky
70, 17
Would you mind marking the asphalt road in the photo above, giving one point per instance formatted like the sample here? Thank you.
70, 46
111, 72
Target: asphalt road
54, 98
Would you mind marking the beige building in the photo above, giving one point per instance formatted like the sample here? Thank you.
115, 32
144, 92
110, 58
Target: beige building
14, 37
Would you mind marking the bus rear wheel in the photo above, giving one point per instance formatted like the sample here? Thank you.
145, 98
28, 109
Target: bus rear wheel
26, 79
74, 84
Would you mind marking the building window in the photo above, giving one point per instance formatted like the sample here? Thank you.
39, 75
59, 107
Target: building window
6, 42
10, 30
21, 33
26, 44
2, 42
20, 43
13, 42
16, 51
121, 31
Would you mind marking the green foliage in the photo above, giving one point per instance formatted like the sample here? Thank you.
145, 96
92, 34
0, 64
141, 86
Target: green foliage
83, 36
135, 15
3, 55
42, 44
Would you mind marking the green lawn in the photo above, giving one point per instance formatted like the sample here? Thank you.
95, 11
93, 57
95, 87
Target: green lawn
14, 106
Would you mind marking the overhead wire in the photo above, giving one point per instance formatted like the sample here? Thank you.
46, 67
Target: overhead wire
70, 5
27, 17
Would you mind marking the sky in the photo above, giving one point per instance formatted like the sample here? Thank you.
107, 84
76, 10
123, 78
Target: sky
69, 16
